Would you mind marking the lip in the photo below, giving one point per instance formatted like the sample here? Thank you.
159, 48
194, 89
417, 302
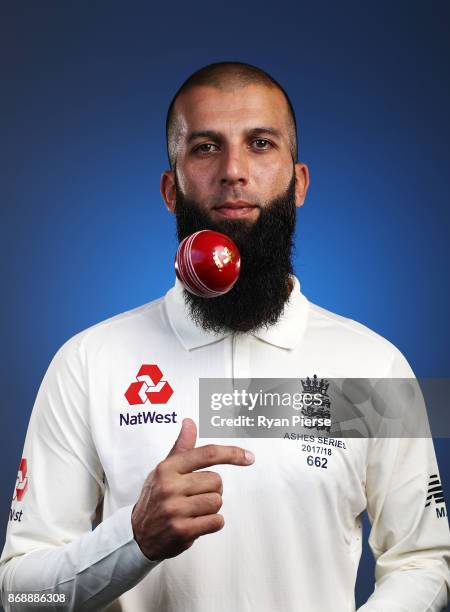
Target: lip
236, 209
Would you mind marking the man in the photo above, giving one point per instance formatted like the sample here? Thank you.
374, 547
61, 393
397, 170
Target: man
266, 528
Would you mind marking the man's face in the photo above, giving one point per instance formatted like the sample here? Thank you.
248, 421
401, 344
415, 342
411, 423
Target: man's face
234, 151
234, 173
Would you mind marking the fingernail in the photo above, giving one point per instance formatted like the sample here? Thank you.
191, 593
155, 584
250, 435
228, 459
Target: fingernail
249, 456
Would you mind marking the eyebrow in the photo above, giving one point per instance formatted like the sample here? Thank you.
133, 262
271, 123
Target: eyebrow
217, 136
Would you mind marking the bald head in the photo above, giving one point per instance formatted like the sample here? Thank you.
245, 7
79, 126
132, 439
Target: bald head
225, 76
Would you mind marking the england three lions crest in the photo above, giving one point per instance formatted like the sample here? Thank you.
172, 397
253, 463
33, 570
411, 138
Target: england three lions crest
319, 408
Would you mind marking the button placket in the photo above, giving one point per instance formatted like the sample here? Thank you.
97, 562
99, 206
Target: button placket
241, 356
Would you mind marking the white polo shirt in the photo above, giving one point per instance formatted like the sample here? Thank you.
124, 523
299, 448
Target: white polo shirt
292, 534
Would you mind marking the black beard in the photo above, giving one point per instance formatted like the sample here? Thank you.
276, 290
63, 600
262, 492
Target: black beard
259, 296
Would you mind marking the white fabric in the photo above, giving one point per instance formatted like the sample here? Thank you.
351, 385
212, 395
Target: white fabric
292, 534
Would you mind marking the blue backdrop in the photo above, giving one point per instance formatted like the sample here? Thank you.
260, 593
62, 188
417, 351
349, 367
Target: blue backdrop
85, 235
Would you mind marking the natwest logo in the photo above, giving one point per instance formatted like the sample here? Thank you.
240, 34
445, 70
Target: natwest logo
22, 481
150, 386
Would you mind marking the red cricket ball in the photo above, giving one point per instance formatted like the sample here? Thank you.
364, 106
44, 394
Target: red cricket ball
207, 263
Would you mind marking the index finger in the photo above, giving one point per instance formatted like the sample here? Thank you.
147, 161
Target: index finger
211, 454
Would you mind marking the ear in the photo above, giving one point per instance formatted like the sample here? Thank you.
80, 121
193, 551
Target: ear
168, 190
301, 183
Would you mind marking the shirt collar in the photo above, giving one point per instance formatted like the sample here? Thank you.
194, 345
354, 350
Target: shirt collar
286, 333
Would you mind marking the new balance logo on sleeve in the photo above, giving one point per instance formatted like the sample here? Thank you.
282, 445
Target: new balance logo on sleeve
436, 493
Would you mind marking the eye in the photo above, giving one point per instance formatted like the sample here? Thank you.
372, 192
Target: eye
206, 147
262, 143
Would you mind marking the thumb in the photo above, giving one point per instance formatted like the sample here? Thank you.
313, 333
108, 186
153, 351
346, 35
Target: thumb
186, 438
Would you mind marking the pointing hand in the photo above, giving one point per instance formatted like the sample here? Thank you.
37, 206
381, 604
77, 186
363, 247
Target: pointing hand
177, 504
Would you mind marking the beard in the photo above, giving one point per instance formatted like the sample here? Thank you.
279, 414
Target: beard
262, 289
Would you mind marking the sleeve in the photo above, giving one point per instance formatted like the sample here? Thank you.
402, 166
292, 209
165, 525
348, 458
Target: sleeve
409, 535
50, 544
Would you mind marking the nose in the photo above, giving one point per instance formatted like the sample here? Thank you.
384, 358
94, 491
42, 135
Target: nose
234, 168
